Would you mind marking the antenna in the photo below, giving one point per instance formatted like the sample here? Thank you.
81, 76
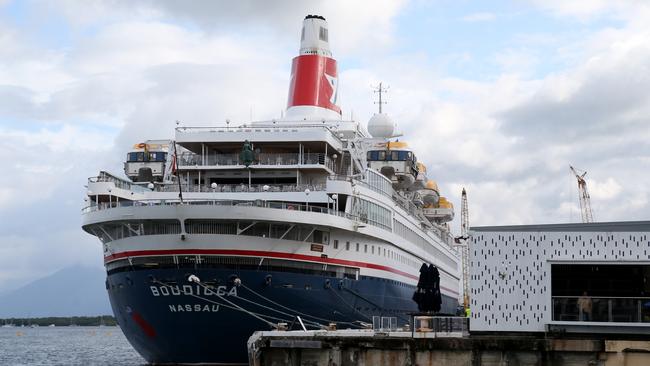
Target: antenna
380, 90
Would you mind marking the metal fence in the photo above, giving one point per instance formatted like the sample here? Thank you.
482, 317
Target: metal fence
601, 309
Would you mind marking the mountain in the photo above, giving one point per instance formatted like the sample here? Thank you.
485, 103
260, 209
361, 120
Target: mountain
72, 291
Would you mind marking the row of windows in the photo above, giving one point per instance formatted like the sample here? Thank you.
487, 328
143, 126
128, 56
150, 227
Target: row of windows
372, 213
410, 235
235, 263
380, 251
383, 155
146, 156
116, 230
379, 183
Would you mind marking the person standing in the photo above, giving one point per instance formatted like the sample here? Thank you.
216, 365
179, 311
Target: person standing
584, 307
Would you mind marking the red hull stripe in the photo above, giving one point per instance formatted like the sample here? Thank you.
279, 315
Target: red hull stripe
261, 253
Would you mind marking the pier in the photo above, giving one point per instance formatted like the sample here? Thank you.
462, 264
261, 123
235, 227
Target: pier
369, 347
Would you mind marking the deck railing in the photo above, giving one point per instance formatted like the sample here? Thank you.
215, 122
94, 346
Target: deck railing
190, 159
601, 309
291, 206
243, 188
119, 182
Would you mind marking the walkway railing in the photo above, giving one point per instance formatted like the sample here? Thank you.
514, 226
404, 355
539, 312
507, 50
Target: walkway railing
601, 309
190, 159
119, 182
243, 188
291, 206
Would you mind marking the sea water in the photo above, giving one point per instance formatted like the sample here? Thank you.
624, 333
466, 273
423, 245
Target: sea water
66, 346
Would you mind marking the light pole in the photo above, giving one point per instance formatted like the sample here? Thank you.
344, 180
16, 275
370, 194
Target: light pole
265, 188
213, 185
307, 197
335, 198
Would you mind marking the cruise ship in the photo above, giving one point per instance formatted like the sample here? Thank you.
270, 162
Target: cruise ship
300, 221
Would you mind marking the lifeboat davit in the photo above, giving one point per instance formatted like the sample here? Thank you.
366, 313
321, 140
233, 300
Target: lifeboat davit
421, 178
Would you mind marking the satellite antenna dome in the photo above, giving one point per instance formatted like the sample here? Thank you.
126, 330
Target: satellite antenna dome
381, 125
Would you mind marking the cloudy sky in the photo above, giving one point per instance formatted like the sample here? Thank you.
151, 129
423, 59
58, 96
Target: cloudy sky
499, 98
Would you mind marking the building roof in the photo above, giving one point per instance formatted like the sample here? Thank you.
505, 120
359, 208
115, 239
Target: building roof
616, 226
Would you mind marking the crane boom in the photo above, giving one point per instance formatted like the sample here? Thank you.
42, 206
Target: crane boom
585, 199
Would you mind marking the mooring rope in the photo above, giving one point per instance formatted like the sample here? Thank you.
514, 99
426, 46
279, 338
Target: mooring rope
296, 311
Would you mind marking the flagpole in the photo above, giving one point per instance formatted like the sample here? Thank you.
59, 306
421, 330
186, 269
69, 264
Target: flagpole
178, 176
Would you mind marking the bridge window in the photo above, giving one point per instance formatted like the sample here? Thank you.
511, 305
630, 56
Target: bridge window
150, 156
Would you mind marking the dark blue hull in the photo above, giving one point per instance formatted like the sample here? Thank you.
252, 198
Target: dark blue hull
170, 320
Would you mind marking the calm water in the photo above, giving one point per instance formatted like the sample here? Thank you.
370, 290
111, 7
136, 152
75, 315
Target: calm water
66, 346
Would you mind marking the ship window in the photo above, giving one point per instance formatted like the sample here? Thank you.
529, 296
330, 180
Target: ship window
357, 247
322, 34
302, 35
365, 248
347, 245
140, 156
405, 155
336, 244
381, 155
318, 236
373, 155
394, 155
373, 249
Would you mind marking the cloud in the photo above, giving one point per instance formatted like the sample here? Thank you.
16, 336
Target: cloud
129, 70
479, 17
124, 73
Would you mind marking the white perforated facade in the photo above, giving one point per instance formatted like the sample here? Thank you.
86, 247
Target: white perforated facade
510, 267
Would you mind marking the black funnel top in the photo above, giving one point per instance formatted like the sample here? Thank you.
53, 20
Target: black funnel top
315, 17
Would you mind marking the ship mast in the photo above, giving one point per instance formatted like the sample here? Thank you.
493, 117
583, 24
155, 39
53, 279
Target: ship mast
380, 90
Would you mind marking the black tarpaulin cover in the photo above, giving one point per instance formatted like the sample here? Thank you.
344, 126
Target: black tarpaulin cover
427, 294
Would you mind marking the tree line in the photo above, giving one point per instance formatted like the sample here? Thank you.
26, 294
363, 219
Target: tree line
82, 321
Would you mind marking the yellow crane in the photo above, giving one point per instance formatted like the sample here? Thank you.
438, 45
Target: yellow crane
585, 200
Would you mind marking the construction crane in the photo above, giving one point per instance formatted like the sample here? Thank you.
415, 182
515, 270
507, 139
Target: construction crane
462, 242
585, 200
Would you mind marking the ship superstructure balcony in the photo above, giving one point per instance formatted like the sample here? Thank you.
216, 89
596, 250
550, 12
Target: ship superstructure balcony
262, 160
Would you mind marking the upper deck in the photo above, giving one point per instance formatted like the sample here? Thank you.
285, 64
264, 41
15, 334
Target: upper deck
331, 132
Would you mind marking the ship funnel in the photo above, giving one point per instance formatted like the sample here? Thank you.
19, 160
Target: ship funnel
313, 90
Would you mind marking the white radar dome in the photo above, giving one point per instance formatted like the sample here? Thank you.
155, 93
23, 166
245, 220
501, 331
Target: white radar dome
380, 125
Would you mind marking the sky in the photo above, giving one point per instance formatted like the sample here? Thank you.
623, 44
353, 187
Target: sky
499, 97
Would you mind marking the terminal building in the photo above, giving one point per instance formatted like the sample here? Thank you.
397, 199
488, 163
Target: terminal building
582, 278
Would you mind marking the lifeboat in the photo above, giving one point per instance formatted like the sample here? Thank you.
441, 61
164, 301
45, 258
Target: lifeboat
430, 193
440, 213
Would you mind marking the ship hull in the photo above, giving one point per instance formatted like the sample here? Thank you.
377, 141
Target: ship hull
170, 320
